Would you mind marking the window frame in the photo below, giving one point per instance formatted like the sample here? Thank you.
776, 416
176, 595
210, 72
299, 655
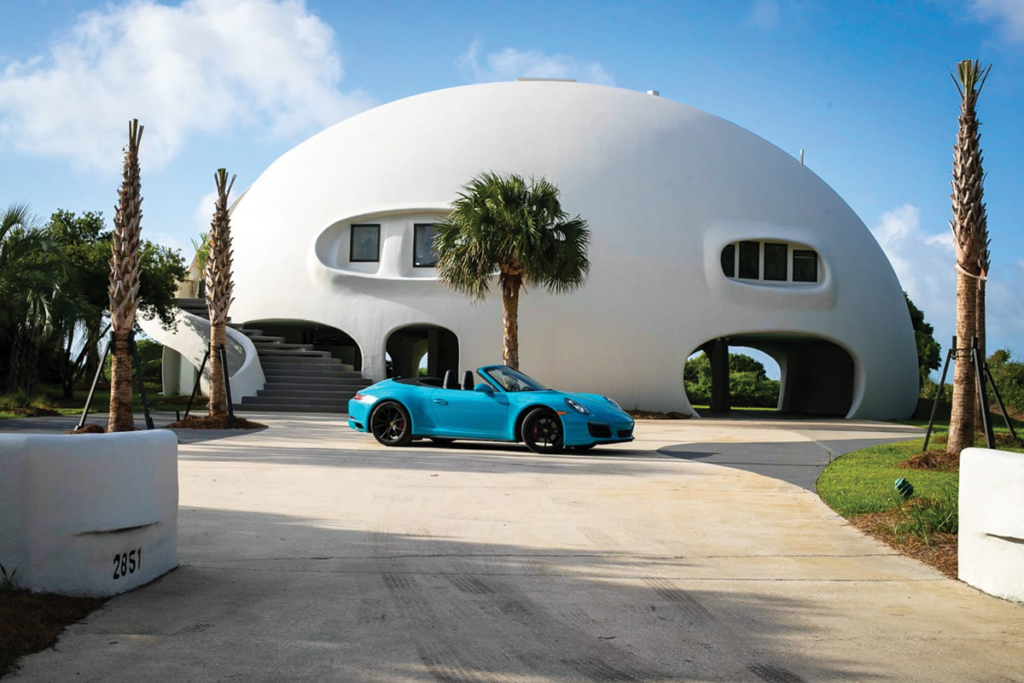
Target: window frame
817, 268
352, 243
415, 233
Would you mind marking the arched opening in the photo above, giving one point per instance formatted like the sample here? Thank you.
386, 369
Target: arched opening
815, 376
430, 347
319, 337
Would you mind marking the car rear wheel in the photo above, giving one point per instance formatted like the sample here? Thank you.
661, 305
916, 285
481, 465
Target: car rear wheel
390, 424
542, 431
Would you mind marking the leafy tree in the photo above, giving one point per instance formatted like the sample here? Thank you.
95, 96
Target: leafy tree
505, 226
749, 385
1009, 378
969, 238
929, 353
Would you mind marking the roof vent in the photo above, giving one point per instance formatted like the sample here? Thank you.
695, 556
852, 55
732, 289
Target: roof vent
654, 92
554, 80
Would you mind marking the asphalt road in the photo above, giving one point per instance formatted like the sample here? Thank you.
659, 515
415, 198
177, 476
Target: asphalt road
309, 553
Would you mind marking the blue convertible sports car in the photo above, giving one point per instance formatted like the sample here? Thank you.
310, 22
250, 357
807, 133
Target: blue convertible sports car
506, 406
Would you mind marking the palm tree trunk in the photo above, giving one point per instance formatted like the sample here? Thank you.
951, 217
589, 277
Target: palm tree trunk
121, 418
218, 402
961, 420
24, 353
510, 313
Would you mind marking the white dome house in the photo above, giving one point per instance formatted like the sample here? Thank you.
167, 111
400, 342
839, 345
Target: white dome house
703, 236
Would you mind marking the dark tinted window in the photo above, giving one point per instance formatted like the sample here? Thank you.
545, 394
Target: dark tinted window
365, 243
750, 257
776, 261
729, 260
805, 265
423, 246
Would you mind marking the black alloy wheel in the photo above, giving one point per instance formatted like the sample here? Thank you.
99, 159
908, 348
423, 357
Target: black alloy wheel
542, 431
391, 425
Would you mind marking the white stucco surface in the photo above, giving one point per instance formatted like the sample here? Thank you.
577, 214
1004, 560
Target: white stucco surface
991, 536
70, 505
665, 188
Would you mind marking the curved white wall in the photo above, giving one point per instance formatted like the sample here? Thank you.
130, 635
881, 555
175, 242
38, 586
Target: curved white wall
189, 342
71, 506
664, 188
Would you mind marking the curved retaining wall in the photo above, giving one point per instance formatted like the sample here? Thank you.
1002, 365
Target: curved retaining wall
191, 339
90, 514
991, 536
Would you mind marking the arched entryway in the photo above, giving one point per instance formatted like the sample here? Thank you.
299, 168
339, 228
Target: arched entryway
421, 350
321, 337
816, 376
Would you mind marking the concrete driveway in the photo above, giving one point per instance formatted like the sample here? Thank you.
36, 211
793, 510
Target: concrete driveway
309, 553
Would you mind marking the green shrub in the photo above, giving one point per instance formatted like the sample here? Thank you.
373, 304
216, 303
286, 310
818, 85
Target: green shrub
749, 385
925, 517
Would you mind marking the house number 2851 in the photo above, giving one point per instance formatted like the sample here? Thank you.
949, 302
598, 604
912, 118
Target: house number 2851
127, 563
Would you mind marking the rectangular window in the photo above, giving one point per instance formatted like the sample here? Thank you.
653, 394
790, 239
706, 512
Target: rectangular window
365, 244
805, 265
729, 260
750, 260
423, 246
776, 261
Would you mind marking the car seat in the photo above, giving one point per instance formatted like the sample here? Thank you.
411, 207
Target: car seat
451, 379
467, 380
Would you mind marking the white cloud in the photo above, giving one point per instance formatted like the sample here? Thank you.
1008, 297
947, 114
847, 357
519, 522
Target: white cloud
202, 67
509, 64
170, 241
925, 265
764, 14
1008, 14
204, 212
923, 262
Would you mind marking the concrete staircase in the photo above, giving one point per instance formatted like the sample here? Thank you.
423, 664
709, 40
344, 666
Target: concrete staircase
299, 378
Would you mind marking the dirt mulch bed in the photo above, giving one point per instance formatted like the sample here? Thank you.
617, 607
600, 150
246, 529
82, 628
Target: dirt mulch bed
89, 429
36, 411
935, 461
649, 415
30, 622
207, 422
1001, 439
941, 554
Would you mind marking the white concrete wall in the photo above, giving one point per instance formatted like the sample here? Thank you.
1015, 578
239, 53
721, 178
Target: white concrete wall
664, 188
71, 506
991, 536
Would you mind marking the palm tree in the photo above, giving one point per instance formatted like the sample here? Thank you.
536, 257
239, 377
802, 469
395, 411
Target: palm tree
970, 242
219, 288
124, 283
503, 225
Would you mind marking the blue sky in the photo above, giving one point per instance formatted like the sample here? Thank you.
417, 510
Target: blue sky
863, 87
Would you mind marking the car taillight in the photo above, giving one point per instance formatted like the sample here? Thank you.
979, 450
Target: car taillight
360, 397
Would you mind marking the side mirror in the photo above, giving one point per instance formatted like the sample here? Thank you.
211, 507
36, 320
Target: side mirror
484, 388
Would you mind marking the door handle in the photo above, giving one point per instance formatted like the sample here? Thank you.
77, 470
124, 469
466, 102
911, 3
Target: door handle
440, 401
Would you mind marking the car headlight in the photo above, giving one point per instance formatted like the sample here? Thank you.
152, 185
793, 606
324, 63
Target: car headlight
582, 410
614, 403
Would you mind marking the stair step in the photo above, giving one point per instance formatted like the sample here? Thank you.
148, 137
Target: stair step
260, 338
318, 384
272, 353
302, 372
289, 400
292, 408
306, 393
262, 345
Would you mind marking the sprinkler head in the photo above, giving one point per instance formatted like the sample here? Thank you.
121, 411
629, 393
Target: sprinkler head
904, 487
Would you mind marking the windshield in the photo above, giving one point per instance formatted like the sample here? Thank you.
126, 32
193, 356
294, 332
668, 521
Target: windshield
513, 380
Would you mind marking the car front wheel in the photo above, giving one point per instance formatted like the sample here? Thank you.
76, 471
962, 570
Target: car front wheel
542, 431
391, 425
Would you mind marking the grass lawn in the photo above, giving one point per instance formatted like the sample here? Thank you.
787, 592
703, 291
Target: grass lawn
101, 402
859, 486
